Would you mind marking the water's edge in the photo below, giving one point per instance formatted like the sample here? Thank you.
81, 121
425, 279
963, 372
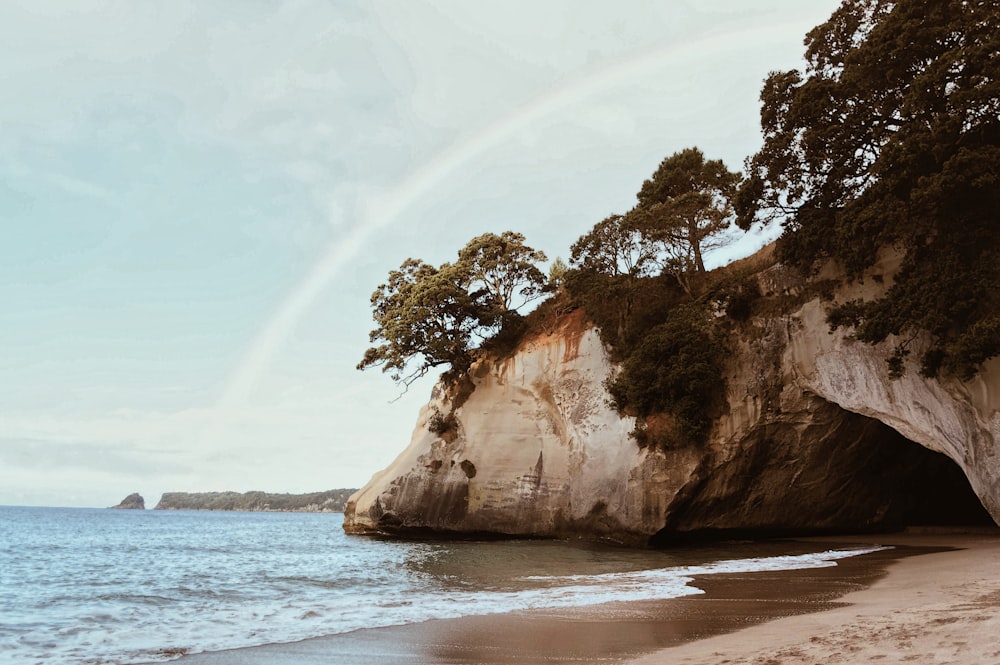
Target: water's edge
581, 634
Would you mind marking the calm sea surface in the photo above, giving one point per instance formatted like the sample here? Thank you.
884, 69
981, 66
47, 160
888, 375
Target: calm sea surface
112, 586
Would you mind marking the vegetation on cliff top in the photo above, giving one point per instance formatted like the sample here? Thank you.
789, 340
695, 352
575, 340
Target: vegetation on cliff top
889, 137
641, 278
430, 316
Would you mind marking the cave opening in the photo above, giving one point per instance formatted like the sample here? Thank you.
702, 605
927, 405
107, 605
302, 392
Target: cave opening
932, 490
839, 473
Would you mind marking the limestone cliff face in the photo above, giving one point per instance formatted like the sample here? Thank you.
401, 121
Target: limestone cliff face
815, 436
536, 450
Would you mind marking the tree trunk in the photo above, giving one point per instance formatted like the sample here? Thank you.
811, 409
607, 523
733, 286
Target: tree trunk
695, 239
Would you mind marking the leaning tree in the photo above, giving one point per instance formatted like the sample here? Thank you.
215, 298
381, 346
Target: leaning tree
428, 317
425, 318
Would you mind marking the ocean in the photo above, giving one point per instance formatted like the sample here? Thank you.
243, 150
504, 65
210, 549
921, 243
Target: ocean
99, 586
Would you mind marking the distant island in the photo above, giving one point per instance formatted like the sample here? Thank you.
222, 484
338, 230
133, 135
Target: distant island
331, 501
133, 501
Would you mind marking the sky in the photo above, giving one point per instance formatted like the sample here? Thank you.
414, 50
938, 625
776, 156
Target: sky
198, 199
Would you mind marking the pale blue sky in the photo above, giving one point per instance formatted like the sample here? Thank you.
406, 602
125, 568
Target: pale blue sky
198, 198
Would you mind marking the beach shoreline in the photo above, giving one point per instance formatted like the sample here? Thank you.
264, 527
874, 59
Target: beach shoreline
940, 607
779, 607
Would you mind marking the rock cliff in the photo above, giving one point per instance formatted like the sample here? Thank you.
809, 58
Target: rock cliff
133, 501
814, 437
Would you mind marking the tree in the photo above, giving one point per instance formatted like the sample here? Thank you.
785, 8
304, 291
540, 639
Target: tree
505, 267
619, 255
557, 274
428, 317
686, 206
891, 136
614, 248
425, 317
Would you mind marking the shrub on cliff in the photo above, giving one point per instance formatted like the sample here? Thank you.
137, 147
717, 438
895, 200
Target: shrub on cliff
622, 323
683, 211
677, 370
612, 261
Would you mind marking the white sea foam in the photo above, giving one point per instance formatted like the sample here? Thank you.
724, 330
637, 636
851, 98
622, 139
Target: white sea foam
750, 565
90, 586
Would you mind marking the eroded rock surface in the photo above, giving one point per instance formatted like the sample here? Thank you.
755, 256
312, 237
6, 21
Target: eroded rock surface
814, 437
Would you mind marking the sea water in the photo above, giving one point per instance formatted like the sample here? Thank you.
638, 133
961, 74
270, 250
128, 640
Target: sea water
121, 586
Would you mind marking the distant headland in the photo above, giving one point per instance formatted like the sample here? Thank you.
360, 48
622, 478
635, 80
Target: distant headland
133, 501
330, 501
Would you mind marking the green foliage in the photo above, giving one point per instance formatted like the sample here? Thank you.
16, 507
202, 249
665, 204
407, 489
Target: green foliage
891, 136
956, 303
968, 351
849, 313
600, 296
505, 340
623, 310
611, 261
429, 317
665, 341
682, 211
896, 368
557, 274
615, 247
685, 206
424, 314
504, 266
675, 369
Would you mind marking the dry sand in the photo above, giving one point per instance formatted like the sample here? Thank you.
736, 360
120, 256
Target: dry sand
935, 608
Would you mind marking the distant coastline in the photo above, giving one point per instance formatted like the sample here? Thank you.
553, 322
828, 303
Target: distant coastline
330, 501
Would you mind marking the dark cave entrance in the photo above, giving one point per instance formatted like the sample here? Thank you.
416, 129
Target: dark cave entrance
936, 493
837, 472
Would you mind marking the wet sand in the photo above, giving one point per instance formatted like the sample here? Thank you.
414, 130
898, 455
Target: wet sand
647, 632
941, 608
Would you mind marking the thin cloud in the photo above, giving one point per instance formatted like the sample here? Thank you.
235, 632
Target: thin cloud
83, 188
357, 134
43, 455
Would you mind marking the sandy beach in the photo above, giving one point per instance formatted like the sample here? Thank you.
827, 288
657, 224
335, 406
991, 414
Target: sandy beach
934, 598
934, 608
